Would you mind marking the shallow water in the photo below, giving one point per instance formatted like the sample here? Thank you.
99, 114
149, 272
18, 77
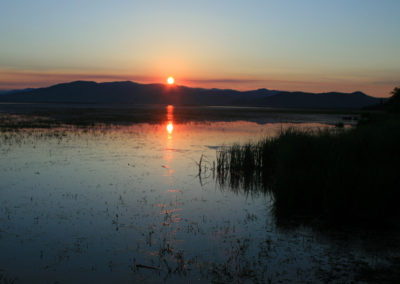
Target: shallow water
125, 204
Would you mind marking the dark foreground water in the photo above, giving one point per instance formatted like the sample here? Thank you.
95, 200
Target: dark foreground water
125, 204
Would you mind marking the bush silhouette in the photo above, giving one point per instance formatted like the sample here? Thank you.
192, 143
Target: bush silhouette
393, 104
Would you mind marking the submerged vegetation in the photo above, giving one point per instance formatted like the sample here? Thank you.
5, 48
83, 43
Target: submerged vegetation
341, 175
18, 116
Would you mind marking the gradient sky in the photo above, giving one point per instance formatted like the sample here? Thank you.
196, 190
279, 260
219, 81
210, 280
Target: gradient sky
309, 45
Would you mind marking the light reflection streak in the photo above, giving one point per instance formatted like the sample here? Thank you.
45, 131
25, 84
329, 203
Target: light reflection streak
170, 120
170, 128
171, 209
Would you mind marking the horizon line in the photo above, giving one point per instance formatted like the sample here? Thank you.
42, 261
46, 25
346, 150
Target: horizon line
17, 80
185, 86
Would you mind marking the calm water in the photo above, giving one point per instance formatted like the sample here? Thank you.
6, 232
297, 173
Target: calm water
125, 204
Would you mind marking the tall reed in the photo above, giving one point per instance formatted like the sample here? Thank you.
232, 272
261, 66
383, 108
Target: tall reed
341, 175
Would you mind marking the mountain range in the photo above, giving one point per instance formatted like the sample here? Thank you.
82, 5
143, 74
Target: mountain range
128, 92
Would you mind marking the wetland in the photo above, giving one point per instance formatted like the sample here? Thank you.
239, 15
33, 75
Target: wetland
138, 199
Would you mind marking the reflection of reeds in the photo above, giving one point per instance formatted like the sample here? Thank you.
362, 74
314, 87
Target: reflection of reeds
338, 174
206, 169
246, 166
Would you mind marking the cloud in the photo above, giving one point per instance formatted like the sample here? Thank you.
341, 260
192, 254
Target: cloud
387, 82
11, 79
223, 81
67, 75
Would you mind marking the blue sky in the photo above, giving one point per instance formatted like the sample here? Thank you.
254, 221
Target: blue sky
289, 45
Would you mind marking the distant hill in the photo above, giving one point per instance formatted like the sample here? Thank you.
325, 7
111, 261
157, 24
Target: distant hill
134, 93
8, 92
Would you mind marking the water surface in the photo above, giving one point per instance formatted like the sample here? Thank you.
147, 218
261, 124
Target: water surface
122, 204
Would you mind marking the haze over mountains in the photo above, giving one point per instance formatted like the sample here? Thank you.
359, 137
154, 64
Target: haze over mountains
128, 92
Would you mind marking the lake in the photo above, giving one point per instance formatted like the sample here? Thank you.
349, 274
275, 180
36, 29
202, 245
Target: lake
127, 203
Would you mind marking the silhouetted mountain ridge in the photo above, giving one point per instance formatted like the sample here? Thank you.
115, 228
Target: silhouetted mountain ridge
127, 92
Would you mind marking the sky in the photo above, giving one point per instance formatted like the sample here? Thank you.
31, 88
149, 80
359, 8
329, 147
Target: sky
308, 45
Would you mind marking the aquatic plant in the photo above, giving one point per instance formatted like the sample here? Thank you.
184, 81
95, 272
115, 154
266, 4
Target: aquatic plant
342, 175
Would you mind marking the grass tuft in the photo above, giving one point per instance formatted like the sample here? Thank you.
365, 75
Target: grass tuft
341, 175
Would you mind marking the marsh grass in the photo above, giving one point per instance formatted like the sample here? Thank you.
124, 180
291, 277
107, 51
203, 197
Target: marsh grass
340, 175
10, 122
87, 115
242, 166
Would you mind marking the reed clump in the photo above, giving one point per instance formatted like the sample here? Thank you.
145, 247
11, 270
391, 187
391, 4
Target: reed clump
341, 175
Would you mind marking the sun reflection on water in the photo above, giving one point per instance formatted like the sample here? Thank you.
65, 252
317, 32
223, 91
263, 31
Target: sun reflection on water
170, 120
172, 206
170, 128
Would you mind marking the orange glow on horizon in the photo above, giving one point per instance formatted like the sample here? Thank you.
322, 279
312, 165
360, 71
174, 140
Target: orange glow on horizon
11, 79
170, 80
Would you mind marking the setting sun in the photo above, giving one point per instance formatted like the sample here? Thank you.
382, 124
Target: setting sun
170, 80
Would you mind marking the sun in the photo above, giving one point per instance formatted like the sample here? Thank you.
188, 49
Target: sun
170, 80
